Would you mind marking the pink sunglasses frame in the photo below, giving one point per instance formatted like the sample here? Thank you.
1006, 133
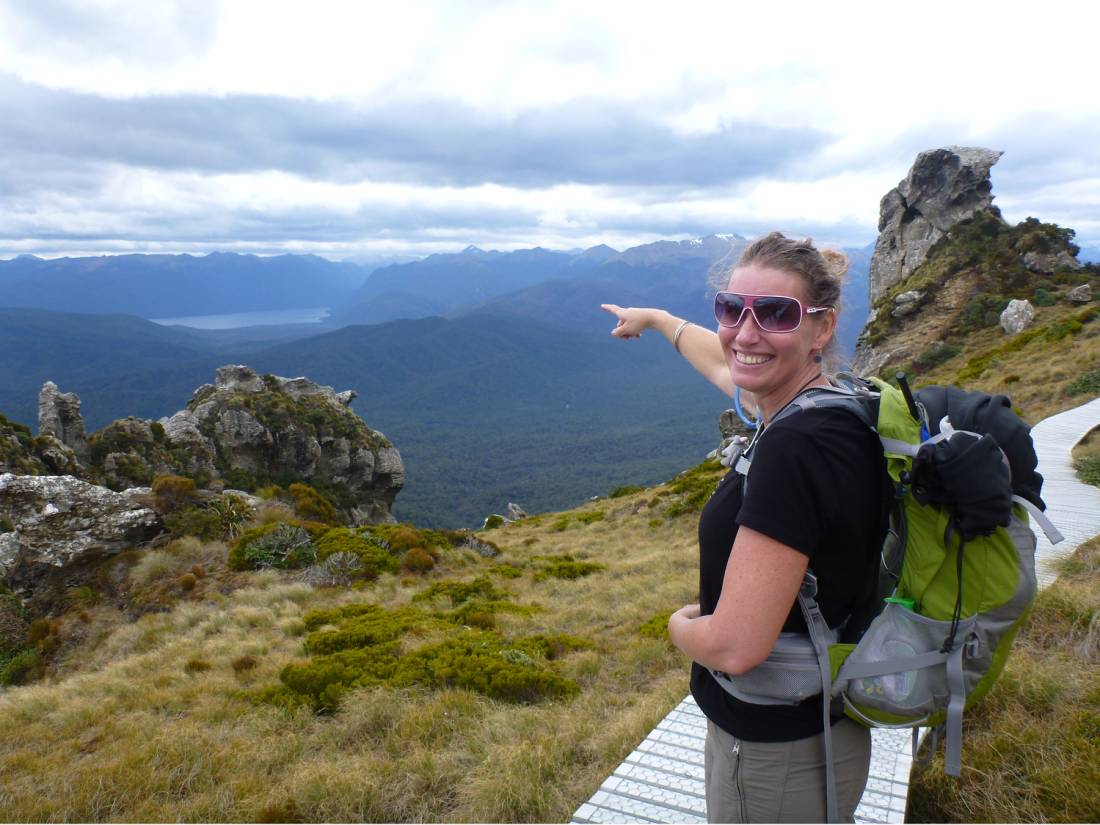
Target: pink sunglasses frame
750, 300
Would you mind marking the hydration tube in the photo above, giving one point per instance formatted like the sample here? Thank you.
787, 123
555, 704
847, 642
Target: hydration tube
740, 412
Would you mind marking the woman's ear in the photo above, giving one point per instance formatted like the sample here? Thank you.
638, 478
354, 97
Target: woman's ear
825, 329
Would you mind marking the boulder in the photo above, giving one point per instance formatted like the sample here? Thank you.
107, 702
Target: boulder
515, 512
907, 303
943, 187
63, 528
1080, 294
1017, 316
1047, 262
59, 416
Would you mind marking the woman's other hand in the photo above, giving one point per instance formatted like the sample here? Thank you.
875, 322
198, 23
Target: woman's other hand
680, 619
632, 320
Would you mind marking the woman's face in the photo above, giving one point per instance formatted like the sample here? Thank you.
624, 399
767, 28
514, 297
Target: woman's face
773, 365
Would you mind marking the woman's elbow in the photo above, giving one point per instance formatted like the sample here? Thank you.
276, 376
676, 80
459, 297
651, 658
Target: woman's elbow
737, 662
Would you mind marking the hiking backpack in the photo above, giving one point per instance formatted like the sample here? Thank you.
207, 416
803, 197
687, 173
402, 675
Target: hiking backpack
957, 573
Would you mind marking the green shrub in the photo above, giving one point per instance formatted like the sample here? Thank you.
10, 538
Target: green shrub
476, 660
375, 558
655, 522
277, 545
656, 627
560, 525
18, 667
1088, 469
170, 493
565, 567
187, 582
231, 513
458, 592
494, 521
157, 429
311, 505
1043, 298
935, 355
6, 525
1059, 330
982, 311
506, 571
591, 518
625, 490
1087, 383
369, 625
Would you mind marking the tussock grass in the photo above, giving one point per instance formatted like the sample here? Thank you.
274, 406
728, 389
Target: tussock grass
157, 719
1031, 749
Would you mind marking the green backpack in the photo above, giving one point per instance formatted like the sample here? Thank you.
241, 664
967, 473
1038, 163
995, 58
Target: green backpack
957, 575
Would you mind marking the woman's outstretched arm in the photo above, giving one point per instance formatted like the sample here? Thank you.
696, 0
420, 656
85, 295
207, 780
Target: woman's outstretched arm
698, 345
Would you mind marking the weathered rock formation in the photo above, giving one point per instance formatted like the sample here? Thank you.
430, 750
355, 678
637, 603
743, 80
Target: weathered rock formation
1047, 262
59, 416
63, 527
943, 187
248, 430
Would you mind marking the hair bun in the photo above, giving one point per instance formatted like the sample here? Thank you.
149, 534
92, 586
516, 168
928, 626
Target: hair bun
837, 262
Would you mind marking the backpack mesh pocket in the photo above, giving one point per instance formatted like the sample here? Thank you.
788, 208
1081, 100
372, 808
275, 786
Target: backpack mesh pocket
898, 633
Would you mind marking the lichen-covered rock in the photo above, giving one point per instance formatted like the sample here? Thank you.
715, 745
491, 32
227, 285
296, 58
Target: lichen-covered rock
59, 416
943, 187
1047, 262
1080, 294
63, 527
1017, 316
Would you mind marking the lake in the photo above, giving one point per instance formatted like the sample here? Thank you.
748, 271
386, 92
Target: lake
235, 320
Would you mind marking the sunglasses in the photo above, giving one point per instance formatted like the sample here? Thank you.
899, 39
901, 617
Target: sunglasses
772, 313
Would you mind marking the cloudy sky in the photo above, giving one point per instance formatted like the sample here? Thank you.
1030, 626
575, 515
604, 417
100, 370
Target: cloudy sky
408, 127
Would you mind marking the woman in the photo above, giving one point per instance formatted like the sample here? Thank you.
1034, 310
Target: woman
815, 500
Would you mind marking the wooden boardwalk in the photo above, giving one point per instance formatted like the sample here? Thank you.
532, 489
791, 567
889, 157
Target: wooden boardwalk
662, 780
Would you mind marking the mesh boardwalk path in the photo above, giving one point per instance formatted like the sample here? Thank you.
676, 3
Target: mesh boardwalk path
662, 780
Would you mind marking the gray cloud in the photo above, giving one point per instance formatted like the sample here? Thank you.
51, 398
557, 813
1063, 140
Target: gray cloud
436, 142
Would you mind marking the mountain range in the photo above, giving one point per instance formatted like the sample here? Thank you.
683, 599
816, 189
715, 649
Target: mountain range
502, 385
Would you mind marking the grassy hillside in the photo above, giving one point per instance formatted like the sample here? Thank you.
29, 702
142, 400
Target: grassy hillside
182, 714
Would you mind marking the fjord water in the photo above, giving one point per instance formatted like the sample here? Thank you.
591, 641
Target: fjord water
237, 320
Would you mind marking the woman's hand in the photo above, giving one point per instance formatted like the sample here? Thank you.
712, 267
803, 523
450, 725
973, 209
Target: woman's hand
633, 321
679, 620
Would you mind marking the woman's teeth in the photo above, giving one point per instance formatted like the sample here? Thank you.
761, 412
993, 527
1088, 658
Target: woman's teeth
745, 358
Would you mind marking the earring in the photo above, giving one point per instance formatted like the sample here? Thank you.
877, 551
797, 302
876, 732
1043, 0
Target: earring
817, 357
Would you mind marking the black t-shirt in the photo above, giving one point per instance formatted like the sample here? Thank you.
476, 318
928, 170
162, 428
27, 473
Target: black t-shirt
816, 485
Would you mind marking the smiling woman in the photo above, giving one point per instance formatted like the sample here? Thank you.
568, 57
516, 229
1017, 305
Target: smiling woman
815, 501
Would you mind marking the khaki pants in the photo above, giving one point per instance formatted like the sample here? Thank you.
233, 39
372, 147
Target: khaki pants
784, 781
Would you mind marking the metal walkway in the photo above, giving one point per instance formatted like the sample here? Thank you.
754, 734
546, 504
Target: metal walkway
662, 780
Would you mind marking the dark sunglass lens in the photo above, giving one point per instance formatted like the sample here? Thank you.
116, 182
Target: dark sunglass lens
728, 308
777, 314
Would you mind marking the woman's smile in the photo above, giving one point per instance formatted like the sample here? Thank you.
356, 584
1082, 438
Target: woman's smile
751, 359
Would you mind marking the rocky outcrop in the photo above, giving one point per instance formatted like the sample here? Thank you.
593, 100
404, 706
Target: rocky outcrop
1017, 316
63, 527
59, 416
943, 187
243, 431
249, 430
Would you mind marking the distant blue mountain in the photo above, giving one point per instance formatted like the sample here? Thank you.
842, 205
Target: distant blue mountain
168, 286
